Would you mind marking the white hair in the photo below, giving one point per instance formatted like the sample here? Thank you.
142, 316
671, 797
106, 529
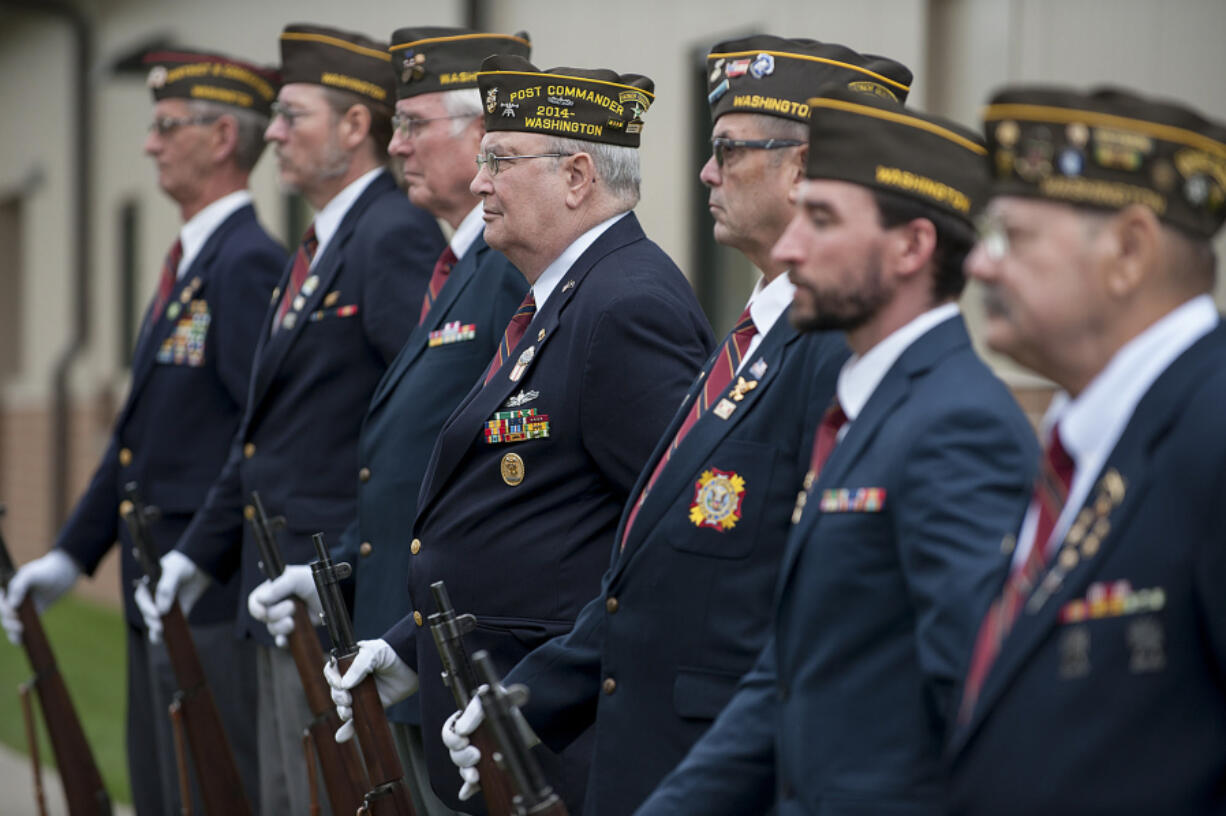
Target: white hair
249, 143
462, 103
616, 165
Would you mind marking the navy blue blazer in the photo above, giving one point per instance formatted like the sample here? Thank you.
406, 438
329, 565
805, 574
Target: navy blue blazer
190, 371
897, 549
522, 545
310, 386
684, 610
1109, 693
434, 371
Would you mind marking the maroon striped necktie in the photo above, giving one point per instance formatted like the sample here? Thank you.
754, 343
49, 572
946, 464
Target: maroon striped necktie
166, 284
442, 268
717, 380
827, 437
513, 334
1050, 492
302, 265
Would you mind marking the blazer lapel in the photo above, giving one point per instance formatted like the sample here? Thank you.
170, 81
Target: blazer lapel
272, 349
457, 282
1119, 490
707, 434
457, 435
890, 393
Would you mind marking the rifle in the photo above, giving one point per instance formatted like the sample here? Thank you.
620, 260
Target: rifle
221, 787
448, 630
535, 797
344, 776
389, 794
83, 788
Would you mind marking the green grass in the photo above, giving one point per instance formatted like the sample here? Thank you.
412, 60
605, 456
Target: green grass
88, 641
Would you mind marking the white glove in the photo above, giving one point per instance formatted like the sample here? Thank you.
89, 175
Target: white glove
181, 579
45, 579
464, 755
272, 602
394, 680
148, 611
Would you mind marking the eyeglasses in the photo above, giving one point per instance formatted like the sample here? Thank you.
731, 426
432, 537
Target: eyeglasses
993, 236
720, 147
165, 125
410, 127
492, 161
290, 115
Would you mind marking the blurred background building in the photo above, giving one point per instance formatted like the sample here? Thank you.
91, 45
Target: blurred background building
83, 227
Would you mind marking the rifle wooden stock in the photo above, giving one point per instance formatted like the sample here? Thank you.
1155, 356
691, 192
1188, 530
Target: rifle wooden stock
83, 788
221, 787
388, 794
495, 784
344, 776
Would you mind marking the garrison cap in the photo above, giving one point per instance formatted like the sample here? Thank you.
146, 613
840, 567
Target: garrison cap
184, 74
1106, 149
337, 59
595, 105
876, 142
776, 76
427, 59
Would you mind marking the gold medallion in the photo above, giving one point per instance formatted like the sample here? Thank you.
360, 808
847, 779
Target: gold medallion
512, 469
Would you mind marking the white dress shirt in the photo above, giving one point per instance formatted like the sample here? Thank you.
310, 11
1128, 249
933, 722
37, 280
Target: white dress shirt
1091, 424
465, 234
767, 302
328, 220
198, 229
553, 273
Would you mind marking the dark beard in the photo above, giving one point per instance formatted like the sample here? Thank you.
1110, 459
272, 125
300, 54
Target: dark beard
845, 311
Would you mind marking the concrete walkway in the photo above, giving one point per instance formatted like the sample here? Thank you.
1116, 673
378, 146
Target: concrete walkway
17, 788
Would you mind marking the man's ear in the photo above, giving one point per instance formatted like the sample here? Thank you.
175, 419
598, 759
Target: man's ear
354, 126
580, 174
1131, 242
225, 138
912, 246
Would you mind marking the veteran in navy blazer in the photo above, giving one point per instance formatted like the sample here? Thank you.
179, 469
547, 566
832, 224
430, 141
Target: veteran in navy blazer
524, 489
190, 371
685, 604
918, 471
344, 308
473, 292
1105, 694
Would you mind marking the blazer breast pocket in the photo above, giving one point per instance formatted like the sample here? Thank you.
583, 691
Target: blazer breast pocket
719, 512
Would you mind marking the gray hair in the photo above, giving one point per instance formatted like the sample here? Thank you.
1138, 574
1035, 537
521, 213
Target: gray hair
463, 102
616, 165
249, 144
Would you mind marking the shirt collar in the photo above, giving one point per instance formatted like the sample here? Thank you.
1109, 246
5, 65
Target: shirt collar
465, 234
861, 374
203, 224
1091, 424
553, 273
328, 220
768, 301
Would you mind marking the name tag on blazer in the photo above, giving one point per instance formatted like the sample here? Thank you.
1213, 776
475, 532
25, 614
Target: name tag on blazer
185, 345
847, 500
454, 332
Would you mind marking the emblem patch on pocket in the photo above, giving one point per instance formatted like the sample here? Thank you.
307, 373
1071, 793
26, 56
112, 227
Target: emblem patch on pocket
718, 495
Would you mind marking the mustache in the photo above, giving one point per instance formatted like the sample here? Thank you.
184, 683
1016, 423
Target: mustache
992, 301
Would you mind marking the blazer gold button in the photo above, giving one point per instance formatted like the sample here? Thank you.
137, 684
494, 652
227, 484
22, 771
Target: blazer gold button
249, 450
609, 685
125, 457
611, 605
364, 474
415, 547
365, 548
417, 618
